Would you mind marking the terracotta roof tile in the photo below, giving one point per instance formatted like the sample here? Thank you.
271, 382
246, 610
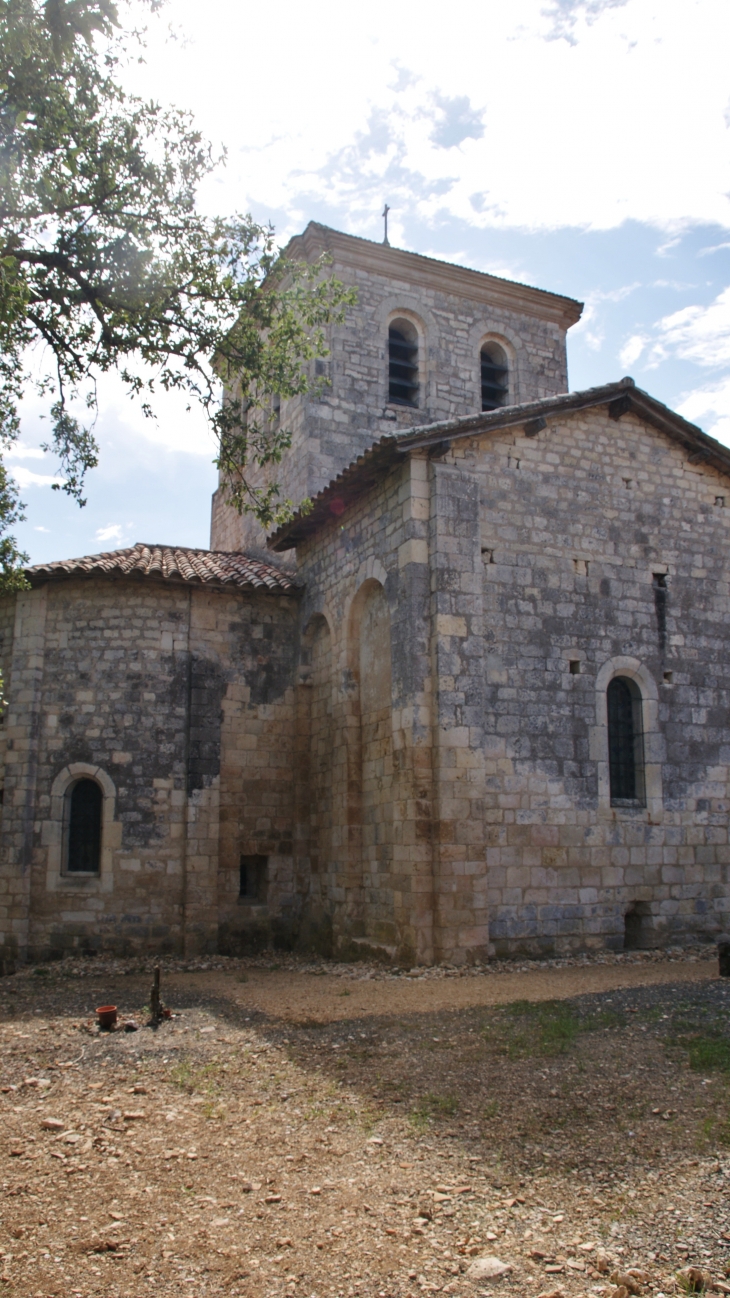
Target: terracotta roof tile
171, 563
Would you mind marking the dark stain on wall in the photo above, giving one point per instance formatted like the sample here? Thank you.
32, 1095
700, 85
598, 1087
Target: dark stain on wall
208, 683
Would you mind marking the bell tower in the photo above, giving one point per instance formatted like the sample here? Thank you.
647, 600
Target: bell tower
426, 341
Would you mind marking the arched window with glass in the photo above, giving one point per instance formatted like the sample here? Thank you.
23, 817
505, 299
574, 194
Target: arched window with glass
83, 840
625, 743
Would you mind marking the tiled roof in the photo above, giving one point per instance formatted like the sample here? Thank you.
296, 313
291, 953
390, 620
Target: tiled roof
170, 563
371, 466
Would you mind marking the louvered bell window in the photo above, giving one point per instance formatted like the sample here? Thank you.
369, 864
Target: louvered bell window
402, 364
84, 828
625, 743
495, 385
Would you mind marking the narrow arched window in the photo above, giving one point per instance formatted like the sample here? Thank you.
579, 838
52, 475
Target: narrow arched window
84, 828
625, 743
403, 363
495, 376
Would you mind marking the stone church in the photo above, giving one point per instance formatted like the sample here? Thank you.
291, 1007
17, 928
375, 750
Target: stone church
475, 703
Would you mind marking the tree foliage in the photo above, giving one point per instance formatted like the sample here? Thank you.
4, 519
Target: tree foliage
106, 263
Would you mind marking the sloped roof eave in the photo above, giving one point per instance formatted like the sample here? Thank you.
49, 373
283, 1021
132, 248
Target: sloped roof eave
370, 466
171, 565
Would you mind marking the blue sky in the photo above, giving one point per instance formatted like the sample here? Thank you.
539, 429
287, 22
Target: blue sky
579, 145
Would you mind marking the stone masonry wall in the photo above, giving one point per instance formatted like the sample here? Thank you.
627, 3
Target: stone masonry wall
503, 562
372, 903
602, 545
167, 695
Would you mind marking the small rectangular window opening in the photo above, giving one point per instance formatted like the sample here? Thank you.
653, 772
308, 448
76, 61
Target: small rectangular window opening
628, 483
253, 879
575, 666
720, 501
668, 678
487, 555
660, 580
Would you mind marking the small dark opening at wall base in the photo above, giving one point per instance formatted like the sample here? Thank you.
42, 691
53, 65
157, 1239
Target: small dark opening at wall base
575, 666
635, 927
253, 878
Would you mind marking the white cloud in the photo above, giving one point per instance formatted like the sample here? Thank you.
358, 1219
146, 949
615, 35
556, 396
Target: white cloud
19, 451
699, 333
632, 349
174, 427
710, 404
42, 529
565, 114
26, 478
111, 533
592, 334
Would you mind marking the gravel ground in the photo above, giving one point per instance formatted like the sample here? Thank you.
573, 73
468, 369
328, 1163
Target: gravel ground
315, 1130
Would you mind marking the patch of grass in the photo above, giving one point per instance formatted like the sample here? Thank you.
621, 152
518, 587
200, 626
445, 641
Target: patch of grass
687, 1285
41, 973
708, 1053
190, 1079
420, 1118
554, 1026
527, 1028
434, 1106
491, 1110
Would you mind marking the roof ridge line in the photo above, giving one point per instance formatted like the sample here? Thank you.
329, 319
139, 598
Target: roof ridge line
623, 392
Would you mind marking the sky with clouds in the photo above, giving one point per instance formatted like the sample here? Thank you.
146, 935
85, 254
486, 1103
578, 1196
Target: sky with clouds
579, 145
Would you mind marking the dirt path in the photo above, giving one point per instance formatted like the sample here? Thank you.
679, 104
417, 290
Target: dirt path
326, 997
299, 1133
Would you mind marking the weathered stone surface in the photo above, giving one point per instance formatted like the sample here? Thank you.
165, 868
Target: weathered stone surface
403, 752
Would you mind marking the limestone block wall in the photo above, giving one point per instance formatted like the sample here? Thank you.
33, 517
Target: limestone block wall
602, 546
520, 574
454, 311
162, 693
367, 604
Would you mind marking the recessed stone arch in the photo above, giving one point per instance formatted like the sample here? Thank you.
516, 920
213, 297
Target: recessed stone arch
318, 759
369, 654
636, 671
413, 313
55, 830
480, 335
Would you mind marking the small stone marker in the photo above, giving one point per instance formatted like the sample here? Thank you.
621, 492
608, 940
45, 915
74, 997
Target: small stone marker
488, 1268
